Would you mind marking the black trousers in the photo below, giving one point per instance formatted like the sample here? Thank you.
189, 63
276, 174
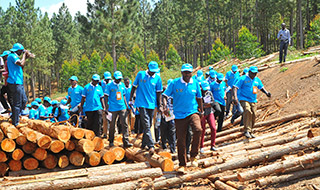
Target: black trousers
168, 134
283, 50
219, 113
94, 122
3, 100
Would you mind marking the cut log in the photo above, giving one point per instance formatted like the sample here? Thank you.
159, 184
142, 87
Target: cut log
285, 178
8, 145
1, 135
312, 165
165, 164
9, 130
30, 163
93, 158
63, 161
222, 186
17, 154
144, 183
43, 141
273, 168
88, 134
165, 154
98, 144
15, 165
107, 156
118, 152
70, 145
77, 133
282, 119
91, 181
76, 158
135, 154
21, 139
3, 168
85, 145
29, 147
56, 146
244, 162
235, 185
3, 156
225, 138
50, 162
40, 154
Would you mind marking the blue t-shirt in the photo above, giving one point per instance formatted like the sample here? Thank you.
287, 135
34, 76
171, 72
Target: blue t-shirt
232, 77
93, 95
210, 80
248, 88
34, 114
184, 97
116, 93
15, 71
128, 92
75, 94
104, 85
218, 91
64, 113
147, 88
43, 111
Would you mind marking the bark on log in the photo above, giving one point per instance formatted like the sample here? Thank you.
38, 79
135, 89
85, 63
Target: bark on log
3, 168
1, 135
3, 156
56, 146
315, 164
235, 185
165, 164
85, 145
91, 181
88, 134
282, 119
141, 184
17, 154
63, 161
135, 154
70, 145
93, 158
278, 166
50, 162
21, 139
9, 130
8, 145
40, 154
222, 186
30, 163
15, 165
76, 158
286, 178
233, 164
98, 144
43, 141
107, 156
29, 147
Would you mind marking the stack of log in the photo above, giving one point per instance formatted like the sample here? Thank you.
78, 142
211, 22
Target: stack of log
285, 149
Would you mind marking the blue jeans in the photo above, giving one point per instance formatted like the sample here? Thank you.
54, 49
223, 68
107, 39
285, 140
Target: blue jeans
237, 111
146, 116
283, 50
19, 100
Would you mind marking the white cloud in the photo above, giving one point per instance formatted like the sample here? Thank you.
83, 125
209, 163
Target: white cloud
73, 5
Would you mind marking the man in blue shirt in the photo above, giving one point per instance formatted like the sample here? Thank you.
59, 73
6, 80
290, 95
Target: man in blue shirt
46, 109
285, 40
117, 105
218, 89
74, 98
187, 102
148, 85
15, 80
231, 77
212, 76
245, 91
92, 96
128, 85
104, 83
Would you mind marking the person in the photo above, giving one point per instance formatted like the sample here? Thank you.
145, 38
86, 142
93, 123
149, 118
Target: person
245, 91
231, 77
128, 86
54, 104
104, 83
187, 102
74, 98
34, 112
207, 75
117, 105
218, 89
285, 40
15, 80
148, 85
4, 89
212, 76
199, 76
61, 112
47, 109
167, 126
26, 111
208, 103
92, 95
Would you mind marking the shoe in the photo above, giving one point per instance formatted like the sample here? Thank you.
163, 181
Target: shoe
247, 134
111, 144
127, 145
213, 148
201, 150
151, 151
181, 170
194, 162
252, 136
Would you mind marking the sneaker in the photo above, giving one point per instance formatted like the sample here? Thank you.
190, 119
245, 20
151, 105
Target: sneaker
201, 150
252, 136
182, 170
213, 148
194, 162
247, 134
151, 151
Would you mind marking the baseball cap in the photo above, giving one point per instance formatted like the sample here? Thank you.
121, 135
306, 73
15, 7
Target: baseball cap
205, 85
234, 68
187, 67
246, 70
199, 73
5, 53
220, 76
253, 69
107, 75
47, 99
73, 78
117, 75
54, 102
210, 68
94, 77
153, 67
28, 105
64, 102
34, 103
213, 73
16, 47
38, 100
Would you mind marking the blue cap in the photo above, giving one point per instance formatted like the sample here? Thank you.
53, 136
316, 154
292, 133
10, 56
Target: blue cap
187, 67
63, 102
54, 102
117, 75
16, 47
73, 78
28, 105
246, 70
253, 69
199, 73
208, 73
47, 99
5, 53
210, 68
153, 67
38, 100
234, 68
169, 81
34, 103
220, 76
107, 75
96, 77
213, 73
205, 85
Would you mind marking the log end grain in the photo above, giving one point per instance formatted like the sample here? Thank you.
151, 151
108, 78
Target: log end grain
63, 161
77, 133
3, 156
108, 157
17, 154
15, 165
3, 168
29, 147
64, 135
167, 165
21, 140
70, 145
98, 143
56, 146
93, 159
8, 145
119, 153
50, 162
44, 142
89, 134
30, 163
40, 154
76, 158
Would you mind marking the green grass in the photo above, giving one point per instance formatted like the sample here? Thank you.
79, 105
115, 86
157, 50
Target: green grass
283, 69
58, 94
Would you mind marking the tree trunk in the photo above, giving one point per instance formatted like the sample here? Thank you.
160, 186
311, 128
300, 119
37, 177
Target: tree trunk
43, 141
8, 145
300, 26
209, 27
222, 186
165, 164
113, 40
297, 24
308, 15
32, 85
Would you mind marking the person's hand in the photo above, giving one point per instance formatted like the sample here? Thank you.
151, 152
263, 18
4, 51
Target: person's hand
166, 112
268, 94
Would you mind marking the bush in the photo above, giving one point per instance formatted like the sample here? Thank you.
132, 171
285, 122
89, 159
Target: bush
173, 58
313, 36
219, 52
247, 46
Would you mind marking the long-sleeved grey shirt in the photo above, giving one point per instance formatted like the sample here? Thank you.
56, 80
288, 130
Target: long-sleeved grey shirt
285, 35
